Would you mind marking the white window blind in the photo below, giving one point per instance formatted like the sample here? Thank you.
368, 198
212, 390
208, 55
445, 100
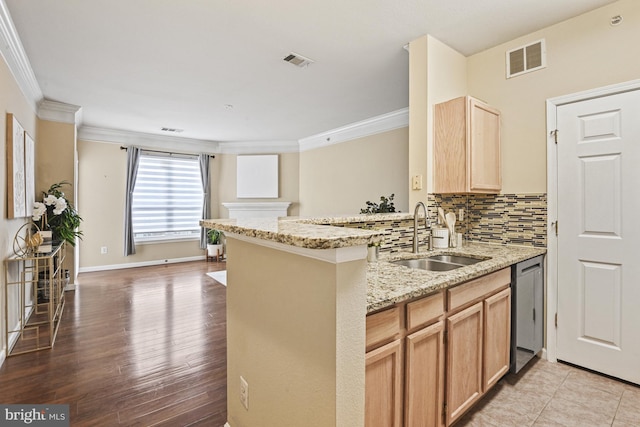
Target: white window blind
167, 198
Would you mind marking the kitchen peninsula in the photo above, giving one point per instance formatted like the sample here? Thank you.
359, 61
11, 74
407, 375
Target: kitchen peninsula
298, 295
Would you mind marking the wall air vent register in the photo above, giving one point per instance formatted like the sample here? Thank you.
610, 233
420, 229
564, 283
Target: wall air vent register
525, 59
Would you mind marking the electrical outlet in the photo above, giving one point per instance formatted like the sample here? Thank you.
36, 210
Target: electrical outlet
103, 250
244, 392
460, 215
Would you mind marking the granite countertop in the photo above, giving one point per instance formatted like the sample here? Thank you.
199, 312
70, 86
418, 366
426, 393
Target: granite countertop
344, 219
388, 284
296, 233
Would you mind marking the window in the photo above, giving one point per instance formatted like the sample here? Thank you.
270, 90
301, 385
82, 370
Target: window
167, 198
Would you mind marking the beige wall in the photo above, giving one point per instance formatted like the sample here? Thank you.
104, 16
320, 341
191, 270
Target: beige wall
418, 85
582, 53
101, 195
340, 178
295, 333
55, 162
55, 154
101, 188
437, 73
11, 101
225, 177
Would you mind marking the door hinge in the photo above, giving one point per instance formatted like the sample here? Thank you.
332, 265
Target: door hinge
556, 320
555, 225
534, 314
444, 413
554, 133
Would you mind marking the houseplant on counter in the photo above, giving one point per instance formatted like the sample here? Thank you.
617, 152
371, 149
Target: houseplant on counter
385, 206
56, 214
214, 243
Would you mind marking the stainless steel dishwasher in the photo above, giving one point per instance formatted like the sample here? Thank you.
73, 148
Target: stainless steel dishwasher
527, 311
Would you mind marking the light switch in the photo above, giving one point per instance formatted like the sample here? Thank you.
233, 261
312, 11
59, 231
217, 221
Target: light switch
416, 182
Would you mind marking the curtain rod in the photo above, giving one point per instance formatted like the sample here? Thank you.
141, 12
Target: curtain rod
122, 147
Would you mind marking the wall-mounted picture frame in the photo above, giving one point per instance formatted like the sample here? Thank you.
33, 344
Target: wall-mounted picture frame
16, 203
29, 173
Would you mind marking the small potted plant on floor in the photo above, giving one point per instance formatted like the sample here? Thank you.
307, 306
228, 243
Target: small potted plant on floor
214, 243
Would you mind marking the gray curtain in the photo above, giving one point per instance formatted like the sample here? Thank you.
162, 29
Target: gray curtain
206, 190
133, 158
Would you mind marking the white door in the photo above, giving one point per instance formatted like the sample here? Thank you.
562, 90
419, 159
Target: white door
599, 234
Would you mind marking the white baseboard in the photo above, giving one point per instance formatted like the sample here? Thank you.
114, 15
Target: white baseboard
3, 356
139, 264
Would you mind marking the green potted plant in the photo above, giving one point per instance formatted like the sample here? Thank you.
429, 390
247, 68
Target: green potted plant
56, 214
214, 243
385, 206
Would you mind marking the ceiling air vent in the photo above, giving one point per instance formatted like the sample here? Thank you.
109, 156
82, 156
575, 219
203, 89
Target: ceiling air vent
298, 60
527, 58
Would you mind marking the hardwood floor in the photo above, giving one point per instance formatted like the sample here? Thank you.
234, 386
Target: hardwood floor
140, 347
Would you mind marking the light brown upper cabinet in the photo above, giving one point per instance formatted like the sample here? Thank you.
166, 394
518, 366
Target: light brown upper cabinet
466, 153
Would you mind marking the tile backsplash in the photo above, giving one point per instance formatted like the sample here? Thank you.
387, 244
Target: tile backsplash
399, 233
518, 219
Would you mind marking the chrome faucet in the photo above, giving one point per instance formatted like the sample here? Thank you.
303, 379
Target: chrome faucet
427, 224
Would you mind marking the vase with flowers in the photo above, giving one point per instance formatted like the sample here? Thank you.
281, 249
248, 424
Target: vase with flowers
57, 214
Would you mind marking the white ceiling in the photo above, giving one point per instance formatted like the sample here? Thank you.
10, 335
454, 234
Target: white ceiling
146, 64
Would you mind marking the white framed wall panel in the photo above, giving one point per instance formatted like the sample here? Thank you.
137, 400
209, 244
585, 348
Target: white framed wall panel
257, 177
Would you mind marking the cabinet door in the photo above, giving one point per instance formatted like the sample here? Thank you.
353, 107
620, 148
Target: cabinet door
484, 148
424, 391
450, 147
383, 386
464, 360
497, 334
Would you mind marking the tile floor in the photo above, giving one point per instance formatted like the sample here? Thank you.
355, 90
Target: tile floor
555, 394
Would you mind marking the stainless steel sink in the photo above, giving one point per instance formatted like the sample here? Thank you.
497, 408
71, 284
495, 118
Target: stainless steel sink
438, 262
455, 259
426, 264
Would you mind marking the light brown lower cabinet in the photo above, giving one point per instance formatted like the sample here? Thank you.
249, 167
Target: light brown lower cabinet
478, 351
424, 377
383, 391
497, 337
464, 360
426, 366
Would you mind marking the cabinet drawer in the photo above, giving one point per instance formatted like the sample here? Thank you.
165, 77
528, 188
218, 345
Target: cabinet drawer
424, 310
478, 288
383, 326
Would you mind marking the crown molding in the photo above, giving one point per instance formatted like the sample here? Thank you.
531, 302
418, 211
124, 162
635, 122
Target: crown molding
259, 147
147, 140
14, 55
385, 122
59, 112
